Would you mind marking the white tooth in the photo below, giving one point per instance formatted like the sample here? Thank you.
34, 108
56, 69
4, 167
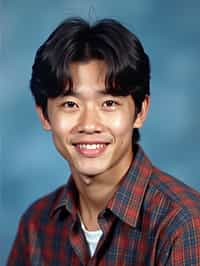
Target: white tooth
91, 146
82, 146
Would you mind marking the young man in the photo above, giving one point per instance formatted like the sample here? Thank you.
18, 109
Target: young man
91, 88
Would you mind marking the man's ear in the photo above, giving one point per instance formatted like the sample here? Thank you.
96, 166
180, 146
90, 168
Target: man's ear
141, 116
43, 119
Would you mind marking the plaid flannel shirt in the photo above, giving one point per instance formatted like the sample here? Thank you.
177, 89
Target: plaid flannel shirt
153, 219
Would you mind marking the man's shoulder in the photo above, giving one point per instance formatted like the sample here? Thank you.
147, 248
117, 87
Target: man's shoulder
41, 208
173, 196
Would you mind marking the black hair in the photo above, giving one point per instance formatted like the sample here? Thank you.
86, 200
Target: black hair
75, 40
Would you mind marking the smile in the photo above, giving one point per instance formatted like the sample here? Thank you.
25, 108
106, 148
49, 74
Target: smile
91, 150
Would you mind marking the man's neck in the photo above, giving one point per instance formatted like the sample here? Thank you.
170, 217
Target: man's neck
94, 194
92, 200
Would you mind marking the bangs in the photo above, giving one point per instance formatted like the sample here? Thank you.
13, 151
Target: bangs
123, 76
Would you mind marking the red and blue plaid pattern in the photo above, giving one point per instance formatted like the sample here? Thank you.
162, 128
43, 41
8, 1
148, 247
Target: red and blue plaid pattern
153, 219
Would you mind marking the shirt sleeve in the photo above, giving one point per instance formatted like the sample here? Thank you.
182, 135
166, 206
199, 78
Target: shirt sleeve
183, 247
18, 251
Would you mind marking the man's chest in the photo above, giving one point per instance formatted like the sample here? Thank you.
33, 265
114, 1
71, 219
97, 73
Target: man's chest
66, 245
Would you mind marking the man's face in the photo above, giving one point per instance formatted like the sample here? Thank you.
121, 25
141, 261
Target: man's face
91, 129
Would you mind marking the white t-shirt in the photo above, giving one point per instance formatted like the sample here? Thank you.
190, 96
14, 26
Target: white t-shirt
92, 238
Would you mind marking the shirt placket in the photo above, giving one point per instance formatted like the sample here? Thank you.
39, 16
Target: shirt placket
105, 221
79, 244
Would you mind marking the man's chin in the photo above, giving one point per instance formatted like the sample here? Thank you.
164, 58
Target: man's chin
91, 173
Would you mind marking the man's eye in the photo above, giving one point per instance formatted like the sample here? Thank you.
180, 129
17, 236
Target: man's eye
110, 103
70, 104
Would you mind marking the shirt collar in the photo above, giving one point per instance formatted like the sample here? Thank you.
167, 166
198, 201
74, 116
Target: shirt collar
67, 199
127, 201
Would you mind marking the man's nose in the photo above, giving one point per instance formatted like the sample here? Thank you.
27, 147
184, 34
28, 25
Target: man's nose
90, 121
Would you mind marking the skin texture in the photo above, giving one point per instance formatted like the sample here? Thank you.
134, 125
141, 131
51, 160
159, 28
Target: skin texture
89, 116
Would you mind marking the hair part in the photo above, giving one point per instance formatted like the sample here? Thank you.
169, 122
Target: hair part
75, 40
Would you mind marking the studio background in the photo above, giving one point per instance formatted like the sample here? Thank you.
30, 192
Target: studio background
29, 164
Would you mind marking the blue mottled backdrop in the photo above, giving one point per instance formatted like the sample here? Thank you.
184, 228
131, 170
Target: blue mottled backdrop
29, 164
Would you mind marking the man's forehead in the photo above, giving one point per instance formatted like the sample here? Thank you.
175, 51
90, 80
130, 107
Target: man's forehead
76, 93
93, 70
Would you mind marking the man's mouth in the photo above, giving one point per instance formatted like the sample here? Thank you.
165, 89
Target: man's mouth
91, 149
